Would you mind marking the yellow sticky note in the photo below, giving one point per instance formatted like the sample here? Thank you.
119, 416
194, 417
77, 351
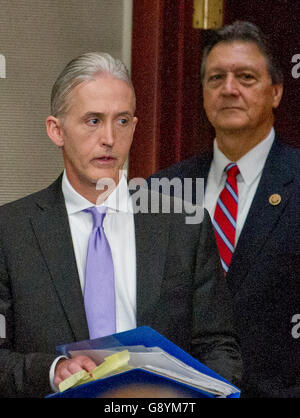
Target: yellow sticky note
111, 363
115, 362
74, 380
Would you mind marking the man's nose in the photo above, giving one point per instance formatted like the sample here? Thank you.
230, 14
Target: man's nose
107, 134
230, 85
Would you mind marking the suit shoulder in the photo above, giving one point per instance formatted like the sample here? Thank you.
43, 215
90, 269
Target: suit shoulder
289, 157
18, 205
176, 211
186, 168
26, 204
287, 150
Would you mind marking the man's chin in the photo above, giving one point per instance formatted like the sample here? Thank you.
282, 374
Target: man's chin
108, 173
232, 125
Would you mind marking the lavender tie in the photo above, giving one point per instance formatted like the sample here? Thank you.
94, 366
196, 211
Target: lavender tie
99, 291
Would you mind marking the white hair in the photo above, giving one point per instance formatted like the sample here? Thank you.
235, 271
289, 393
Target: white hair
83, 68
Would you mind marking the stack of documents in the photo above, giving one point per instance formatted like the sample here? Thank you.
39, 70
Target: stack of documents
155, 360
140, 356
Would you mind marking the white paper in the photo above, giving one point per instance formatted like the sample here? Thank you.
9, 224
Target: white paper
158, 361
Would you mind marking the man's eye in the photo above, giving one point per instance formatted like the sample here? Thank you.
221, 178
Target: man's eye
93, 122
215, 77
247, 77
123, 121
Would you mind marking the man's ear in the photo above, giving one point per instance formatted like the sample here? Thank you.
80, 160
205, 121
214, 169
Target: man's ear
135, 121
277, 94
54, 130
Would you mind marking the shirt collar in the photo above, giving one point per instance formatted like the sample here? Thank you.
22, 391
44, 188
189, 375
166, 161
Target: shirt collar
250, 164
117, 201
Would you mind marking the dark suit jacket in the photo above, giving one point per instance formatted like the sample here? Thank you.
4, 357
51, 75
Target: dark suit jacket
264, 275
180, 292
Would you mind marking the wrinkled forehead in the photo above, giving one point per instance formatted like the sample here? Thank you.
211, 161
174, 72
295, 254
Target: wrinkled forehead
102, 89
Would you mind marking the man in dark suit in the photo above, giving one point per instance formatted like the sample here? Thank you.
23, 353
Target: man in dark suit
260, 244
166, 273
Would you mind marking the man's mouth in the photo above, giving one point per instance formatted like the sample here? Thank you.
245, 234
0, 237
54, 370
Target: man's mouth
103, 160
231, 108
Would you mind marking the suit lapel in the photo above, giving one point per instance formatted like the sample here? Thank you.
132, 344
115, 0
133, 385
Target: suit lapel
205, 166
262, 216
52, 231
151, 232
201, 170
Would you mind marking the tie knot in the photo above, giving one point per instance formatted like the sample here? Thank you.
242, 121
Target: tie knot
232, 170
98, 214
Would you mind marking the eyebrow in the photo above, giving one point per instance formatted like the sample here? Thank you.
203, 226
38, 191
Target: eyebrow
101, 115
238, 68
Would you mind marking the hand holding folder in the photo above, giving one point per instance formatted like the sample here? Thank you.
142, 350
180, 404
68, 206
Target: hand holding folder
115, 363
141, 357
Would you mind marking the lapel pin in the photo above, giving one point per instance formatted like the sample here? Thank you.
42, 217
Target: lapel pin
275, 199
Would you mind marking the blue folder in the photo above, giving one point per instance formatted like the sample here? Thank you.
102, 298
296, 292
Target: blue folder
147, 337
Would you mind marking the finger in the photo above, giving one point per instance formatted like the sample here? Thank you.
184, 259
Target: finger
66, 368
61, 377
74, 367
57, 380
65, 373
89, 364
85, 362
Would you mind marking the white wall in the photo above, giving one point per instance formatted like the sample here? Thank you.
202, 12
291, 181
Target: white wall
37, 39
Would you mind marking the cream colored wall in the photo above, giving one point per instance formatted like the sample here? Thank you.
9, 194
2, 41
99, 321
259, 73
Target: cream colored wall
37, 39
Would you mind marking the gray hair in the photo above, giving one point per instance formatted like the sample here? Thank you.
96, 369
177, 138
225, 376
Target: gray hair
83, 68
246, 32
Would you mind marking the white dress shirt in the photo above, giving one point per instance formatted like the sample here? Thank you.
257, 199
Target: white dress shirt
118, 225
119, 228
250, 165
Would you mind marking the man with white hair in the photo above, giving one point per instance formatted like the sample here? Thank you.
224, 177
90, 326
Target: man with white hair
76, 265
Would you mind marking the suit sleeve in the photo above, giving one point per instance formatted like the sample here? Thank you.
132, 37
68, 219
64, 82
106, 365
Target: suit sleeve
22, 375
214, 340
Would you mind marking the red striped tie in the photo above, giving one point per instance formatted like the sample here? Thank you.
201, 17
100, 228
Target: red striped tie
225, 216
